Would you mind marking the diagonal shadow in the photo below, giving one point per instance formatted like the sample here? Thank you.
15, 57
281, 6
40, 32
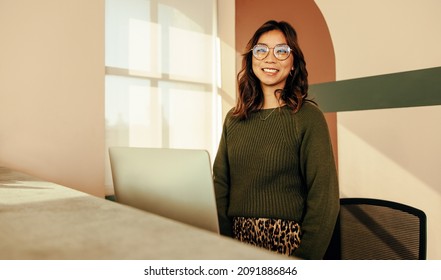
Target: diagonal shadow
381, 232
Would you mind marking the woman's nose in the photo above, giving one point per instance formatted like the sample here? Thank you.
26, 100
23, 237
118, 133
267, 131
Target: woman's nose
270, 57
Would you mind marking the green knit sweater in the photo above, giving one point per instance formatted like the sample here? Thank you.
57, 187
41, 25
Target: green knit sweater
280, 167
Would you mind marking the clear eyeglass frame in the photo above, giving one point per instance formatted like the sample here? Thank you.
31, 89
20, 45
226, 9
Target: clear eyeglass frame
281, 51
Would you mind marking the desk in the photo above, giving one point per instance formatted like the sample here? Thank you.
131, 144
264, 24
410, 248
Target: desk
43, 220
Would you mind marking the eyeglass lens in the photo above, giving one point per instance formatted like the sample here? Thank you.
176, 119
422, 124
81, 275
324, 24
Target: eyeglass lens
281, 52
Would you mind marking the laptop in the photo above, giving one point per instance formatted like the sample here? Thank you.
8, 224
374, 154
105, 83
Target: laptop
173, 183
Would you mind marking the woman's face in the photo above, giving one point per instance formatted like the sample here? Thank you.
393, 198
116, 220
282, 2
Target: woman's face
272, 72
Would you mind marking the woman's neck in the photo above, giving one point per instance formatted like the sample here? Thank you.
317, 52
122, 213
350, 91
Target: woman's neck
271, 100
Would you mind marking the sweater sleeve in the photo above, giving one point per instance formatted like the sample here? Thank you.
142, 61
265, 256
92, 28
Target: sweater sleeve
221, 179
320, 175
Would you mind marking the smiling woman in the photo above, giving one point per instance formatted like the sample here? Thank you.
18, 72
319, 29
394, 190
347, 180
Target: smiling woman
274, 173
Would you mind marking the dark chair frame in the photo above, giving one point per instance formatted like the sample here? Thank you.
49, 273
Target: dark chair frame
334, 249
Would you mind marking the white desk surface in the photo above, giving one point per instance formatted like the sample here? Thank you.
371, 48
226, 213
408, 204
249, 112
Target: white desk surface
43, 220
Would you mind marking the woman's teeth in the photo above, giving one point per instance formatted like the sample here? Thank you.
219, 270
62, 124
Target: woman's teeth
269, 70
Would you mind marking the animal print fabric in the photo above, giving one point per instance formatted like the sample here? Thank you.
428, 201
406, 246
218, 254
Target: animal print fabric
277, 235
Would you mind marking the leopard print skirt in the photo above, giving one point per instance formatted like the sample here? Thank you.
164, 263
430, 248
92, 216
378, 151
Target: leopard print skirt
276, 235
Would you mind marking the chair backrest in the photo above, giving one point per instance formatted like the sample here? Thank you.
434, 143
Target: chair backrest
375, 229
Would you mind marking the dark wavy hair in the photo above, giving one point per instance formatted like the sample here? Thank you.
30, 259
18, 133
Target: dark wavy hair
295, 92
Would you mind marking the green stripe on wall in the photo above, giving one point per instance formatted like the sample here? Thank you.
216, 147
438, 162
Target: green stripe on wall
405, 89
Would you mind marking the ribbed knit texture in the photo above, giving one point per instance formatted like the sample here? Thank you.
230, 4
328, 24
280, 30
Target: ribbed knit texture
280, 167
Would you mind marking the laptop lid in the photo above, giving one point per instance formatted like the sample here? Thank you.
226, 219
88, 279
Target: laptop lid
174, 183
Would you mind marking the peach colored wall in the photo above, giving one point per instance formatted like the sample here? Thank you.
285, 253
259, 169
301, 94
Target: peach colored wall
52, 91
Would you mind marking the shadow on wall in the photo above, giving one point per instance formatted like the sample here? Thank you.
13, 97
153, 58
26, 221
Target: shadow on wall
393, 137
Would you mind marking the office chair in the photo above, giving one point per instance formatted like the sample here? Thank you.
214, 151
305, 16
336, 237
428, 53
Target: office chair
375, 229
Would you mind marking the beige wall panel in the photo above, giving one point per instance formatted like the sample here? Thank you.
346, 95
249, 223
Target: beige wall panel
383, 36
52, 90
394, 153
227, 42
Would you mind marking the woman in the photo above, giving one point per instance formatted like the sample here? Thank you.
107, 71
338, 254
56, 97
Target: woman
274, 172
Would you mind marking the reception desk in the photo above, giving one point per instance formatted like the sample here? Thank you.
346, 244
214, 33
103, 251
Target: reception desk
43, 220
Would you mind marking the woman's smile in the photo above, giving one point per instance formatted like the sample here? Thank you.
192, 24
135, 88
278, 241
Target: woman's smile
270, 70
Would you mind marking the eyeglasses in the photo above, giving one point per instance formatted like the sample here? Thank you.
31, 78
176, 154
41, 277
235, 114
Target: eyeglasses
281, 52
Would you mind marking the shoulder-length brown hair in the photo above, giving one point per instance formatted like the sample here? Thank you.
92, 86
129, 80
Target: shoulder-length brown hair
250, 95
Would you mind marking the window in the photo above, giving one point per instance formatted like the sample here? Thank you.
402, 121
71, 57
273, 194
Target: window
161, 75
